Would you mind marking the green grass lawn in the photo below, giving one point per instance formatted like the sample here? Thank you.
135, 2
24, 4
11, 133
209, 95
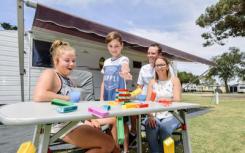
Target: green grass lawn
223, 129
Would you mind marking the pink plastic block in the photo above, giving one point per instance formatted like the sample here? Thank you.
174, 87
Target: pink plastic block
99, 112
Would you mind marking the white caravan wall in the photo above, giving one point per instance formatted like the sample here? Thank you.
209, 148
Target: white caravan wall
9, 67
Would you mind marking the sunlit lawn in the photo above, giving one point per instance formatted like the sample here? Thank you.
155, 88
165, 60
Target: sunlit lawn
223, 129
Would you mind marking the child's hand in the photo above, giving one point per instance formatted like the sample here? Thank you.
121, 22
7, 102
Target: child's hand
126, 75
74, 96
125, 72
152, 122
95, 123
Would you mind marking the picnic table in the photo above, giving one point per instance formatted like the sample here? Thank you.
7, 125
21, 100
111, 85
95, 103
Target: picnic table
43, 115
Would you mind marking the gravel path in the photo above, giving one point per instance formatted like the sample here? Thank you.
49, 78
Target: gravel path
12, 136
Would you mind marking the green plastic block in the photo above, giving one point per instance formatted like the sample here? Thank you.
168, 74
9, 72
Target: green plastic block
67, 109
120, 130
60, 102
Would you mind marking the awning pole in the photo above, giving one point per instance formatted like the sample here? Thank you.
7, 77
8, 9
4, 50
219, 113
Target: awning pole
20, 17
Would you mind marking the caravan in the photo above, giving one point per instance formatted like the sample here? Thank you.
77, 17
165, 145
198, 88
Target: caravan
90, 56
85, 36
241, 87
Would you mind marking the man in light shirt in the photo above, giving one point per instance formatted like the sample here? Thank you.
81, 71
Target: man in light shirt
147, 71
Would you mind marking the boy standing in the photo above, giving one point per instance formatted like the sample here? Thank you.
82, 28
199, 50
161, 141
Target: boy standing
116, 72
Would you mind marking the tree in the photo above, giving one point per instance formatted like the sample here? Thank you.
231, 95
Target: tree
208, 80
188, 78
241, 72
226, 19
228, 66
7, 26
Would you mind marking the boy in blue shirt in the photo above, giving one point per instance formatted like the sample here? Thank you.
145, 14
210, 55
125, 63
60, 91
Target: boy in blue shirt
116, 71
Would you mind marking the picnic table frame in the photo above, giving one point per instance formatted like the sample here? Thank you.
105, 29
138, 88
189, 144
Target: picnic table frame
43, 115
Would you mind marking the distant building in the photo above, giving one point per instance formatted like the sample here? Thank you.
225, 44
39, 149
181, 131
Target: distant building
189, 87
238, 87
210, 88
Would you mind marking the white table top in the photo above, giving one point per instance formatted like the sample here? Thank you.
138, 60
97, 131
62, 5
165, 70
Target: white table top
32, 113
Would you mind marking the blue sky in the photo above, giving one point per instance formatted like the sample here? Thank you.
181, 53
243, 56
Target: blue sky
170, 22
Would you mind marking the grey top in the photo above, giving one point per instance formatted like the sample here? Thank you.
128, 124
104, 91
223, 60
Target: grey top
66, 85
32, 113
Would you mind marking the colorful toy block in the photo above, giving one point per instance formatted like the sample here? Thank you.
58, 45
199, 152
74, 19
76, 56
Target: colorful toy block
67, 109
165, 102
168, 145
99, 112
122, 95
122, 90
60, 102
134, 105
120, 130
27, 147
112, 103
142, 105
130, 105
136, 92
106, 107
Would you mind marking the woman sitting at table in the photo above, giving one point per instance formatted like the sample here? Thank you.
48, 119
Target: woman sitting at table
159, 126
54, 83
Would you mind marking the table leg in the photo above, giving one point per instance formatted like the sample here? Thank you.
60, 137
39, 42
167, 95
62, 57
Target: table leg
139, 143
36, 135
44, 142
67, 127
185, 136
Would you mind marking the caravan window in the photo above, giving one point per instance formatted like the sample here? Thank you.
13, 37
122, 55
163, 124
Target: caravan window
137, 64
41, 56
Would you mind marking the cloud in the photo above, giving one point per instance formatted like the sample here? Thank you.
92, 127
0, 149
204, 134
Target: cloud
175, 40
185, 40
187, 37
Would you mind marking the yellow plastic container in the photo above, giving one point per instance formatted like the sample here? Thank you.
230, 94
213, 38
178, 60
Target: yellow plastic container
27, 147
168, 145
